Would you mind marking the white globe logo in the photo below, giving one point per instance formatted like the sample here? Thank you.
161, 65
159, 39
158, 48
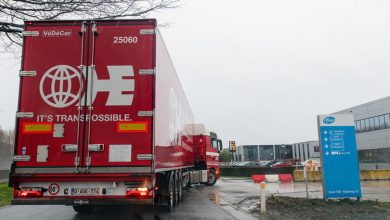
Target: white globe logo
56, 86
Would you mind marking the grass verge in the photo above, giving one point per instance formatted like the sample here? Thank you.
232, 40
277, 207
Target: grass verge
279, 207
5, 194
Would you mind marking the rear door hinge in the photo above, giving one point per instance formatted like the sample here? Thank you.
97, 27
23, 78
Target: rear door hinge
147, 71
27, 73
24, 114
145, 113
144, 156
147, 31
30, 33
17, 158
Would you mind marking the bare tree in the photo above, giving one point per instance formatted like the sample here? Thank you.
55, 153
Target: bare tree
6, 148
14, 12
3, 135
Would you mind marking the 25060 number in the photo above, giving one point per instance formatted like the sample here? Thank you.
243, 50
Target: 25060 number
125, 40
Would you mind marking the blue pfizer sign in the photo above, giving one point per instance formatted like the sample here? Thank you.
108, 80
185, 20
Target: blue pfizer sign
340, 166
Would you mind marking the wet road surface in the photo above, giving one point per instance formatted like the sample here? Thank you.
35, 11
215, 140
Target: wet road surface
230, 198
196, 204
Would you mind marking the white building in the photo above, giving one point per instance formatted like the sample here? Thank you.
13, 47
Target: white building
306, 150
372, 122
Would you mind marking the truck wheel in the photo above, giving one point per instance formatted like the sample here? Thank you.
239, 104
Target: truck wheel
83, 209
180, 184
170, 193
212, 178
176, 175
186, 180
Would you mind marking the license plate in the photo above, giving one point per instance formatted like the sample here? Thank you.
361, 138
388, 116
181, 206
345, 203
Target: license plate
85, 191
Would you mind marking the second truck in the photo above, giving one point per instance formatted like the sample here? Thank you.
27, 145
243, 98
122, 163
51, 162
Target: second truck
103, 119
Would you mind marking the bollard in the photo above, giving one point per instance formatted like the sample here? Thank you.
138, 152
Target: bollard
262, 197
305, 177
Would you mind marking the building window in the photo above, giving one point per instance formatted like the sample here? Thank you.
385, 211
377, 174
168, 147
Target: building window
367, 123
372, 124
374, 156
382, 122
362, 126
316, 148
357, 125
376, 122
387, 120
299, 151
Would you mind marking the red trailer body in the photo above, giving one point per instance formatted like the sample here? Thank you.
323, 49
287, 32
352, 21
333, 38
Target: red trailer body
102, 118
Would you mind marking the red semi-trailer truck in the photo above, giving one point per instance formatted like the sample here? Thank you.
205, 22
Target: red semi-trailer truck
102, 119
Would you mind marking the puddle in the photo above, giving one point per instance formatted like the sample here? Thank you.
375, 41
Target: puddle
215, 198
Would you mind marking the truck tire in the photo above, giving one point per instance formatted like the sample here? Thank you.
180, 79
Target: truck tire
186, 180
180, 184
83, 209
176, 175
170, 192
211, 178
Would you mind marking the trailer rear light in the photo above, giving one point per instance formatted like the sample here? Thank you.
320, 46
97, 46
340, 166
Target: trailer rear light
143, 191
140, 191
30, 193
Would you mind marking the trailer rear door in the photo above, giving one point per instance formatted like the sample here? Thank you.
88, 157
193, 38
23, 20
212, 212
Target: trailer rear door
119, 120
48, 129
86, 96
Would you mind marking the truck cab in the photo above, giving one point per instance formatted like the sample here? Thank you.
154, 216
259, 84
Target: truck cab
206, 152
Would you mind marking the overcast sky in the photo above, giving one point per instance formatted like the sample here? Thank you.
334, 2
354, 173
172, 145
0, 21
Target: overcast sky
259, 71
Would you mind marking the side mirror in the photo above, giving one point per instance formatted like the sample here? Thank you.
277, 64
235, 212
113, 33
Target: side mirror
219, 145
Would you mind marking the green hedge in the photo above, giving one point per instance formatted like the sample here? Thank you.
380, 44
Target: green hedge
249, 171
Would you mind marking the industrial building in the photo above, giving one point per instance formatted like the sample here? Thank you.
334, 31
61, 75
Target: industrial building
306, 150
263, 152
372, 123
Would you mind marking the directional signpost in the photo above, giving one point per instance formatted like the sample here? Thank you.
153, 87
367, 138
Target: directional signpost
340, 168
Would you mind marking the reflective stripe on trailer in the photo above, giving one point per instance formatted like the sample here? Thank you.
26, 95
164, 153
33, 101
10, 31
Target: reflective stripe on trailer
37, 127
135, 126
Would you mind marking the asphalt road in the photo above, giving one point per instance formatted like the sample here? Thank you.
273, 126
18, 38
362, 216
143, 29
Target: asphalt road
230, 198
198, 203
